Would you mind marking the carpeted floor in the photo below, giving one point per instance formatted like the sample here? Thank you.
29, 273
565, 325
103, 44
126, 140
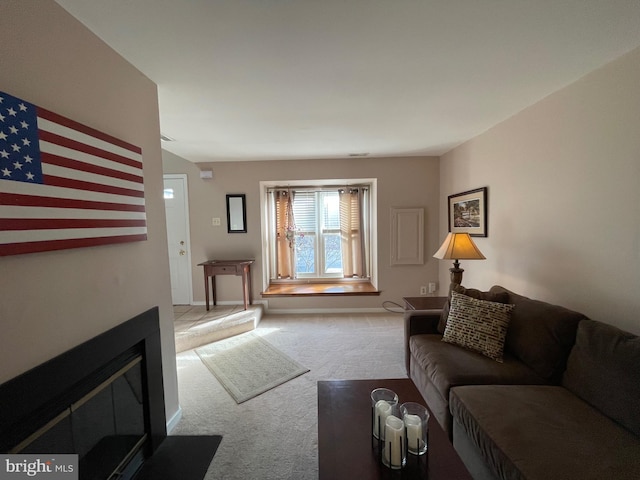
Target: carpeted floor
274, 435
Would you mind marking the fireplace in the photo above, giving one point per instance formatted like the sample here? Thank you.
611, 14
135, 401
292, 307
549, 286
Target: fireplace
102, 400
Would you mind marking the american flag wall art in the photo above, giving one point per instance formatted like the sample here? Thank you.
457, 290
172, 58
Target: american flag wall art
65, 185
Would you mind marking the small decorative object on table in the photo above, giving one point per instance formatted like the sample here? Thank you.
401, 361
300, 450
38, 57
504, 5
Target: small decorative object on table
398, 430
394, 452
384, 402
416, 418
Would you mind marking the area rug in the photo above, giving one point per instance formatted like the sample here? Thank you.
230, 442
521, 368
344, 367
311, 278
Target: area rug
247, 365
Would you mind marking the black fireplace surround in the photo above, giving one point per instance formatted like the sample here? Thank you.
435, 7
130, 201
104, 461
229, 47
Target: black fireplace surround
85, 375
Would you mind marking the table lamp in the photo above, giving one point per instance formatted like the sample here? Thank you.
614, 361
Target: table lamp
458, 246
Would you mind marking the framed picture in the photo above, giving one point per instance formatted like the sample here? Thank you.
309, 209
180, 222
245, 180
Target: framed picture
468, 212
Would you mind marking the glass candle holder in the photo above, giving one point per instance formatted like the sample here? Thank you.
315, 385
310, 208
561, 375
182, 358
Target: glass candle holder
394, 452
415, 418
384, 402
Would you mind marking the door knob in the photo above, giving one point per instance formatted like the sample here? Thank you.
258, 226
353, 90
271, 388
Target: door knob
182, 252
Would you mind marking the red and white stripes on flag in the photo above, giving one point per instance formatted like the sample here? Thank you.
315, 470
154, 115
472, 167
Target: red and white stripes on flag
64, 185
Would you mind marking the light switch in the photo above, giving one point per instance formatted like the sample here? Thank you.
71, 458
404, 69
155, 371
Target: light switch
215, 221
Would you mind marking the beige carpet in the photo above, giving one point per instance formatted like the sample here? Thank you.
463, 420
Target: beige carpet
274, 436
247, 365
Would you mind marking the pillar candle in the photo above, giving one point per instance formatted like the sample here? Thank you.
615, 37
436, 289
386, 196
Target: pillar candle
395, 442
381, 412
415, 439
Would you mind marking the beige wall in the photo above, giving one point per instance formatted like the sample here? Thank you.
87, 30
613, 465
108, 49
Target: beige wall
564, 197
50, 302
402, 182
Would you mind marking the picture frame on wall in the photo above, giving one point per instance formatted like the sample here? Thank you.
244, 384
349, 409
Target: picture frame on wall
468, 212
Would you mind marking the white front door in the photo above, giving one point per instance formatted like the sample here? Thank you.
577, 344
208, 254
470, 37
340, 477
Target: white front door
177, 211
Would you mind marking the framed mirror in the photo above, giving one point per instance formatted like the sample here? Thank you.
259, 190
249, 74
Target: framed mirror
236, 213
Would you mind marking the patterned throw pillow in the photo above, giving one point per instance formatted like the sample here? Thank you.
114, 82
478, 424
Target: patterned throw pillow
502, 297
478, 325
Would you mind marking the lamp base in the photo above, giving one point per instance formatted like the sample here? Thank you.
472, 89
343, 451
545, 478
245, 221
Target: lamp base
456, 274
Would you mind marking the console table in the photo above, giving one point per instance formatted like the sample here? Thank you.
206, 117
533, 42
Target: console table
227, 267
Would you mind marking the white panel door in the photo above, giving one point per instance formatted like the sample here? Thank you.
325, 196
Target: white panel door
177, 212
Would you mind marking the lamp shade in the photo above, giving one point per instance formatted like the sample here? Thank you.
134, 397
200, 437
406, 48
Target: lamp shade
458, 246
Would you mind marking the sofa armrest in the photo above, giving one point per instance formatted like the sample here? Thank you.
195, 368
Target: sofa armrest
418, 322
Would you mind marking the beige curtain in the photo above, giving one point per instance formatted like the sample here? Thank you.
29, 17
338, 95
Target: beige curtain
352, 230
285, 226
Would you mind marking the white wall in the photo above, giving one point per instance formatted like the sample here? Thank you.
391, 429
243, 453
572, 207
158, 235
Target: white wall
564, 197
50, 302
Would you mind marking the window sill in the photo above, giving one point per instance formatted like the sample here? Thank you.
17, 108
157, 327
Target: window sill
320, 289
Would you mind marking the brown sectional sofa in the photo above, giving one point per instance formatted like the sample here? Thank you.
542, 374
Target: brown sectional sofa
564, 404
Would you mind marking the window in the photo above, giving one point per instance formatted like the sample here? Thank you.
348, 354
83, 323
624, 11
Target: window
317, 248
318, 232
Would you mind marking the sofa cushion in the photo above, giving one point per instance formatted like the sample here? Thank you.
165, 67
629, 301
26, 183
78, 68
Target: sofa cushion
540, 334
502, 297
541, 432
604, 370
444, 365
478, 325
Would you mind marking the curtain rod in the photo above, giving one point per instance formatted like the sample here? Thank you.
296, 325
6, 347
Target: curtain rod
317, 188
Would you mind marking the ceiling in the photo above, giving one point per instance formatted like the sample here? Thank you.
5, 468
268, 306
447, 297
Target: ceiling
313, 79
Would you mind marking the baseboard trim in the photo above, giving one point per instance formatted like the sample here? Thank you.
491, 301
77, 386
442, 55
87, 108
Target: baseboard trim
303, 311
173, 421
231, 302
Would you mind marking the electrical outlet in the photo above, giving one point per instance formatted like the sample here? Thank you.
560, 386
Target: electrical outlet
215, 221
432, 287
423, 290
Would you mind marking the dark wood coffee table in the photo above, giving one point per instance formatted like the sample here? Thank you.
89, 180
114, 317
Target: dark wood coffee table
344, 435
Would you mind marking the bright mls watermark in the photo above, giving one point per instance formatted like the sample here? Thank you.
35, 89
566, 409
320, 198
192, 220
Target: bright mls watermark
50, 467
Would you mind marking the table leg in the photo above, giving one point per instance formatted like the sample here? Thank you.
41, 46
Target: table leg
213, 288
244, 286
206, 289
249, 290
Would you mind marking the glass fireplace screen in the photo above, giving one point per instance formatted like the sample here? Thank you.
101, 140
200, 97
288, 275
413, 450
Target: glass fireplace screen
106, 427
